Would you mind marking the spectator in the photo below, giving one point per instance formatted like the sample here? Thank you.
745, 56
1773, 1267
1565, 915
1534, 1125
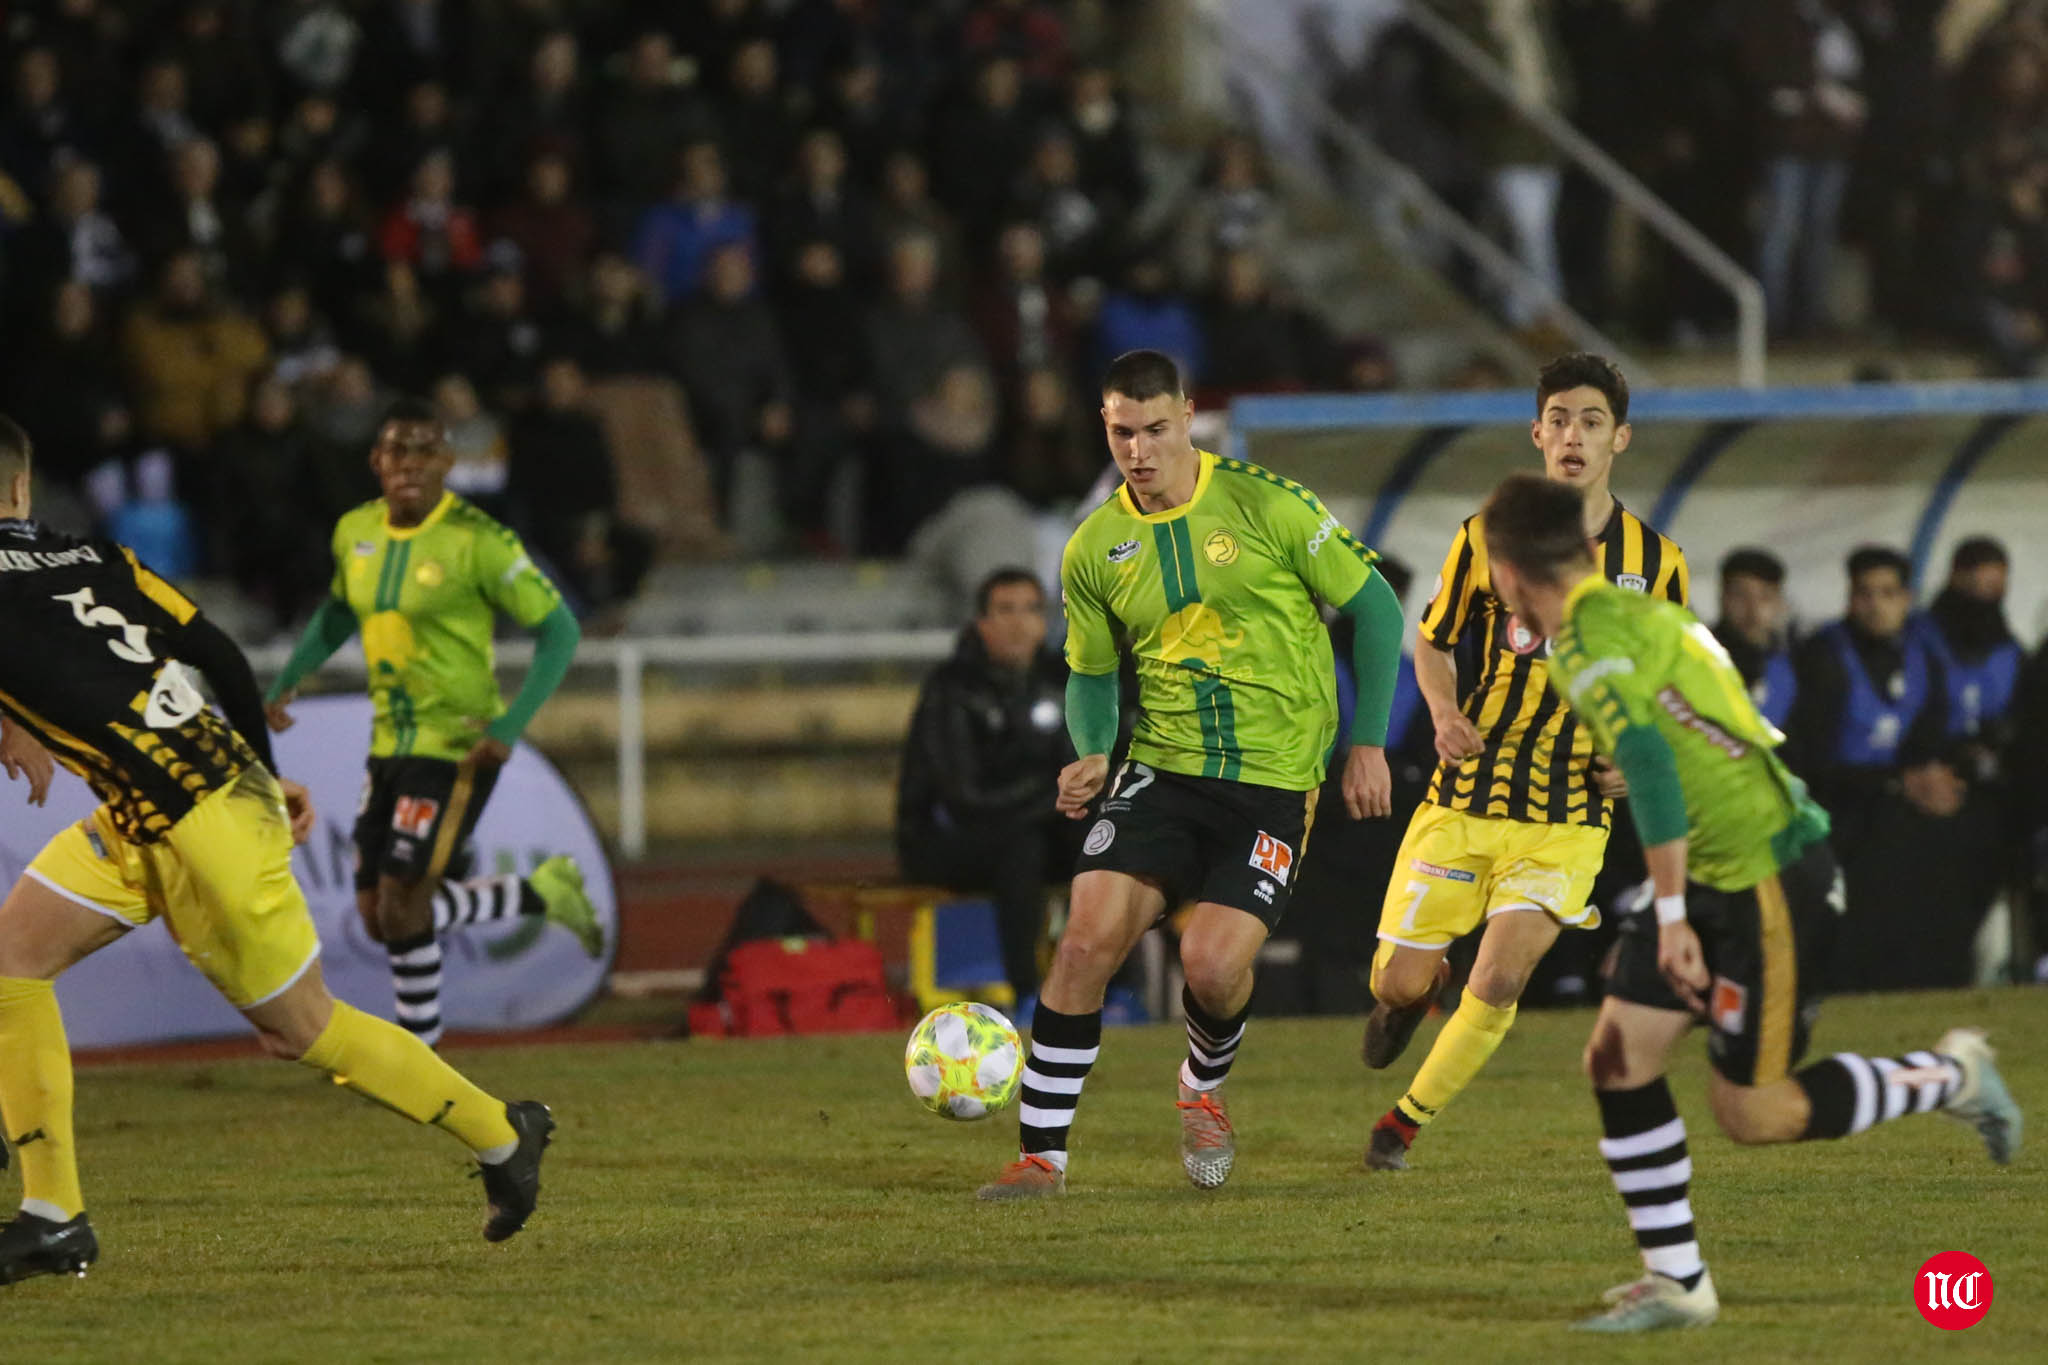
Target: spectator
317, 42
77, 241
727, 350
1027, 32
1148, 313
190, 358
1082, 227
1803, 64
264, 510
943, 449
1023, 318
318, 130
646, 120
816, 313
714, 31
1966, 628
974, 804
302, 346
430, 123
476, 439
1752, 629
432, 234
41, 129
66, 391
401, 328
976, 151
617, 328
1104, 143
1234, 209
562, 484
760, 136
1050, 456
1252, 340
143, 151
223, 72
908, 209
199, 218
549, 119
406, 42
344, 413
912, 337
857, 110
820, 206
325, 240
499, 340
677, 237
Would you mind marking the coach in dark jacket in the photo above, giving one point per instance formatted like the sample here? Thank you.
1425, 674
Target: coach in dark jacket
974, 809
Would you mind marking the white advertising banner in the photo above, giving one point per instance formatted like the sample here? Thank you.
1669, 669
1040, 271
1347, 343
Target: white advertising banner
521, 973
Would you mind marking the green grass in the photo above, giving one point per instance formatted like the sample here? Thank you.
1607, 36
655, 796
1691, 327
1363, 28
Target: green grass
789, 1201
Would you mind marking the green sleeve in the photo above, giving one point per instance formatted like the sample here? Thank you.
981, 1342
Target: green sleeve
1092, 712
553, 651
1655, 797
512, 583
1330, 561
1091, 641
328, 631
1375, 658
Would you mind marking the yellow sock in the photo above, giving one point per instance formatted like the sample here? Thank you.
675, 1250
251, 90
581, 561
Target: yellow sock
383, 1061
1461, 1049
35, 1095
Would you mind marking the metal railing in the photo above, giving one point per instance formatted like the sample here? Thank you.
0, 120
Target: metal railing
1410, 192
1748, 295
630, 658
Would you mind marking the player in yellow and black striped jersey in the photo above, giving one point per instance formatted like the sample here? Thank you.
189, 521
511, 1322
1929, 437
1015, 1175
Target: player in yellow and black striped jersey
1517, 815
98, 669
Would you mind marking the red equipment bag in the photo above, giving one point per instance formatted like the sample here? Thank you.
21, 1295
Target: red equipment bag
806, 985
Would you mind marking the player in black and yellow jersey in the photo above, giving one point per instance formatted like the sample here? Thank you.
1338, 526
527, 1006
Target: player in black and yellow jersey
193, 827
1515, 825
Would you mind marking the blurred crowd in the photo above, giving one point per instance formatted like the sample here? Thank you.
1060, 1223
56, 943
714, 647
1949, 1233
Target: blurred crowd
1915, 131
847, 257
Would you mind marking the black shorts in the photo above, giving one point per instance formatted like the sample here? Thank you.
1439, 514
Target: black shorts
416, 819
1766, 947
1202, 838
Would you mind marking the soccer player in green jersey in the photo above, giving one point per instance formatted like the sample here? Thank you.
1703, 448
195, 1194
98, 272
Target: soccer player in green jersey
1746, 899
1209, 572
423, 575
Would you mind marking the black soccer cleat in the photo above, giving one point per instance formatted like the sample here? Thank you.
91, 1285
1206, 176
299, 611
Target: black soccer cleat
1388, 1028
1388, 1150
512, 1186
32, 1246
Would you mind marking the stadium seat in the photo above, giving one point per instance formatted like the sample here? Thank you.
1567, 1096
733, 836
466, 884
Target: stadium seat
954, 950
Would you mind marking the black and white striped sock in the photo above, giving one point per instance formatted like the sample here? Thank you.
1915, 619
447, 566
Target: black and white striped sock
1212, 1043
1849, 1093
483, 900
1646, 1155
416, 978
1063, 1048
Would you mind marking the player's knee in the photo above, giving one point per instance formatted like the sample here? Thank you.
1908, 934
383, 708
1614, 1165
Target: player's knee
1213, 977
1497, 986
1083, 956
1401, 983
1741, 1115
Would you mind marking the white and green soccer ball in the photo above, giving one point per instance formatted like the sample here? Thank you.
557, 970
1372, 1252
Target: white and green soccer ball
964, 1061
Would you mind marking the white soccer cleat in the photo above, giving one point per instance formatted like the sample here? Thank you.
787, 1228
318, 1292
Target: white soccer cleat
1208, 1146
1655, 1303
1982, 1101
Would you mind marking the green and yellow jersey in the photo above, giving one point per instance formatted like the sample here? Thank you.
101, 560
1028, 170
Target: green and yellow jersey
1623, 660
1216, 600
425, 598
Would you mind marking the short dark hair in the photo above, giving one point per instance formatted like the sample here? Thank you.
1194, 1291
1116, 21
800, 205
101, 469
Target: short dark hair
1536, 525
1864, 558
15, 449
1583, 369
409, 408
1141, 375
1750, 562
1004, 578
1975, 553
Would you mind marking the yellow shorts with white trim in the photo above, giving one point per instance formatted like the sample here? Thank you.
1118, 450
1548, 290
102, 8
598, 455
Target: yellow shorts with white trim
221, 879
1456, 870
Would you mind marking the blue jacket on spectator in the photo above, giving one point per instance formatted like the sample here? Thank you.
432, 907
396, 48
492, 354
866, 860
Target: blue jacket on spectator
675, 241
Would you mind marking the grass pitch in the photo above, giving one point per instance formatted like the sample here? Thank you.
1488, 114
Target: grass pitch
789, 1201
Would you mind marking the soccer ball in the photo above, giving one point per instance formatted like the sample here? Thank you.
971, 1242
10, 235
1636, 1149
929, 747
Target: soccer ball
964, 1061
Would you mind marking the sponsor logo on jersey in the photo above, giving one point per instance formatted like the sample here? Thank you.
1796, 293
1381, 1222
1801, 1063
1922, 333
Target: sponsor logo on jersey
1520, 638
364, 547
1101, 836
1272, 857
1729, 1004
1122, 550
173, 699
1680, 710
1455, 874
428, 575
1599, 669
1327, 529
414, 816
1221, 547
1634, 582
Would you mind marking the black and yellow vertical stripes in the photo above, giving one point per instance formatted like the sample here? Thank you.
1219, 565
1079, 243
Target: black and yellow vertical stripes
1780, 959
452, 818
1536, 760
1214, 708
